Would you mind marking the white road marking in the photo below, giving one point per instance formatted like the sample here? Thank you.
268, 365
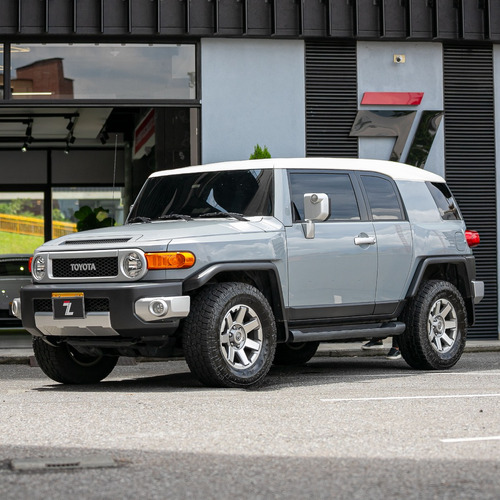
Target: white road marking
469, 440
402, 398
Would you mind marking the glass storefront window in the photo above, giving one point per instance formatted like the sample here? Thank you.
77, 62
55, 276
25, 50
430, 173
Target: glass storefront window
21, 222
1, 72
107, 72
67, 201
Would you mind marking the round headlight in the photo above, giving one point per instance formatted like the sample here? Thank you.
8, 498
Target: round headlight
38, 267
132, 265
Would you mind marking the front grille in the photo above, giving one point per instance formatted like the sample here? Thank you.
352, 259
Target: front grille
42, 305
95, 242
91, 305
85, 268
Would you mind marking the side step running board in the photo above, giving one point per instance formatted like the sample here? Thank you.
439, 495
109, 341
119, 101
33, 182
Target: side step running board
381, 330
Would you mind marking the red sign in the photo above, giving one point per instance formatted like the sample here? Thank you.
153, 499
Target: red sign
392, 98
144, 134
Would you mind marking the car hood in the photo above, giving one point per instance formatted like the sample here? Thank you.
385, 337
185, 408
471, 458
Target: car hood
158, 233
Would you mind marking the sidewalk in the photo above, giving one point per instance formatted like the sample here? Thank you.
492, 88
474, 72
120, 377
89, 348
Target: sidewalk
15, 348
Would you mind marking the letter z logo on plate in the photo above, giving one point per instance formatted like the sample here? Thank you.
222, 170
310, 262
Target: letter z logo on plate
68, 305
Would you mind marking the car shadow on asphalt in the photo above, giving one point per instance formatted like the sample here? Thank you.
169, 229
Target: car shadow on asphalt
317, 372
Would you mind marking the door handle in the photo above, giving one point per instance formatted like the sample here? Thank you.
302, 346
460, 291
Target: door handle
364, 239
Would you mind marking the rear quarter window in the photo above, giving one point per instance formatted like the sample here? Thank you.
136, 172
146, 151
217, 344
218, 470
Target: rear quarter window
445, 203
383, 199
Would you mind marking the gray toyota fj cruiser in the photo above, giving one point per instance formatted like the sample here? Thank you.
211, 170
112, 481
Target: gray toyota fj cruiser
238, 265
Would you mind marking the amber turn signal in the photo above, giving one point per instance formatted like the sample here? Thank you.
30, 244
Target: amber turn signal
170, 260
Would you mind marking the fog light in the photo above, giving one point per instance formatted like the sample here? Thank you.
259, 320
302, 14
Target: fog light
158, 308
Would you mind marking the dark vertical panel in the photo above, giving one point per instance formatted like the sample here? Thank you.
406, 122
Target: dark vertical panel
33, 16
60, 16
368, 18
470, 162
331, 99
448, 18
259, 18
144, 15
116, 18
230, 17
473, 20
88, 14
395, 18
341, 18
9, 17
173, 17
421, 19
314, 17
201, 20
287, 17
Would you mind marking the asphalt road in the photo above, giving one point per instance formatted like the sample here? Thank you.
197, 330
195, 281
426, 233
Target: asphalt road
350, 428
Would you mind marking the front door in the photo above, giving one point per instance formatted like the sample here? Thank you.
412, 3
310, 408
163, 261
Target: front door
333, 274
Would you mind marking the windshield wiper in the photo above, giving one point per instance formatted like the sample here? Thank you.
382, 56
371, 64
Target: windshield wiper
138, 219
224, 214
174, 217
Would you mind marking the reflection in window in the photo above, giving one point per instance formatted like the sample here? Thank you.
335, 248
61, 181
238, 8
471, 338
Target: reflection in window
111, 71
338, 187
67, 201
382, 197
21, 222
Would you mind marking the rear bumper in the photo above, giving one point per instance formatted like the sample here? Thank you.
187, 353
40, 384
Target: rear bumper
126, 313
477, 291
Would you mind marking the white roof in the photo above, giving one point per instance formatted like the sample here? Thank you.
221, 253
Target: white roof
398, 171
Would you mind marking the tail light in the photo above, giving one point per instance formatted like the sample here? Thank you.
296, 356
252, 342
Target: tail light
472, 238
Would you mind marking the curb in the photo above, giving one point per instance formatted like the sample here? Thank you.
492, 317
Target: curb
324, 351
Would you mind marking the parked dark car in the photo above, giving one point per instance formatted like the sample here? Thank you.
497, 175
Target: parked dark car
14, 273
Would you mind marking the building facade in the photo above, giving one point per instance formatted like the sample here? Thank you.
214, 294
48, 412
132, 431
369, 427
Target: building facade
97, 94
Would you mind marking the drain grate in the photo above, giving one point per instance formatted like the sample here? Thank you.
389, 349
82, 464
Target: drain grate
62, 463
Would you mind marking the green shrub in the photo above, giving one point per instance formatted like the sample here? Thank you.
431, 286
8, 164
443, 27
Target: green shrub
259, 153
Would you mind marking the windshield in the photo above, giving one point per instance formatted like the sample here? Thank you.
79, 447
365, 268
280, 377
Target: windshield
245, 192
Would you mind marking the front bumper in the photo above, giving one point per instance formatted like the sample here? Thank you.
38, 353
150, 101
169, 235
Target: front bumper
111, 310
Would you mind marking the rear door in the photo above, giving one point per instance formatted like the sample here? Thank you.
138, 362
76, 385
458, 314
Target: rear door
333, 274
394, 239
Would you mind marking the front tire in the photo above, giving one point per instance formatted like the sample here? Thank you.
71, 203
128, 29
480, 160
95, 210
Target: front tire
230, 336
436, 327
66, 365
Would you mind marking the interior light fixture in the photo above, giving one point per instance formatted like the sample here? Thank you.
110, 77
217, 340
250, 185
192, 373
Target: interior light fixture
66, 150
24, 147
103, 136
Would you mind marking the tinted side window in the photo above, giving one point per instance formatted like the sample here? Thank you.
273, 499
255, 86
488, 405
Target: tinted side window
444, 200
343, 203
382, 198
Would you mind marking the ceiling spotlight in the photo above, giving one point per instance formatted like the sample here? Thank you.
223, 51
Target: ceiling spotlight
66, 150
103, 137
24, 147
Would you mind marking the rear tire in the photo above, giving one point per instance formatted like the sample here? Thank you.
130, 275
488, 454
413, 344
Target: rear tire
436, 327
295, 354
230, 336
66, 365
